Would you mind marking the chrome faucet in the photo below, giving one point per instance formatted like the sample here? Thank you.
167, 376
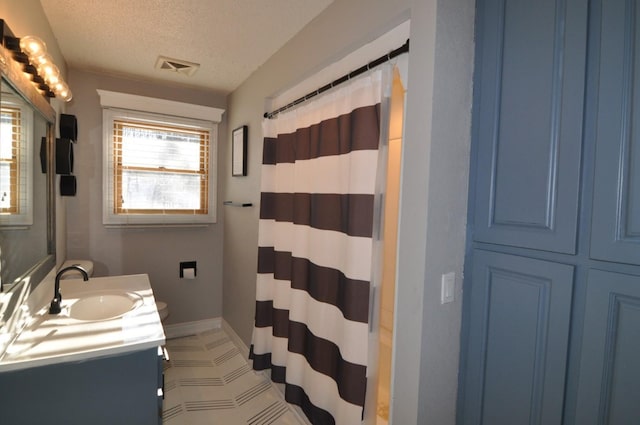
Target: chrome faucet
54, 308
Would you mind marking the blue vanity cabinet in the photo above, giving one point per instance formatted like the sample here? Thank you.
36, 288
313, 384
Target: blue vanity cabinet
609, 389
121, 389
517, 340
616, 200
528, 103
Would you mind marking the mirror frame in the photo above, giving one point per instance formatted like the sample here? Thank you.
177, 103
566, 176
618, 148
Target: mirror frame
12, 73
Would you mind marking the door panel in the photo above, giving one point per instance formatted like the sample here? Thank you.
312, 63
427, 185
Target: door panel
616, 201
609, 388
517, 340
529, 122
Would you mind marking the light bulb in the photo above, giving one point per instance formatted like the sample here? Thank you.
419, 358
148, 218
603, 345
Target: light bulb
62, 91
47, 69
67, 96
32, 46
60, 88
41, 59
53, 77
53, 80
41, 62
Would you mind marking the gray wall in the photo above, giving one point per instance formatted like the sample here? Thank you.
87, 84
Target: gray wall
156, 251
434, 183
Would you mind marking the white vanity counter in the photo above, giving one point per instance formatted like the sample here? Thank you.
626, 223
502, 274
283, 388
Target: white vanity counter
51, 339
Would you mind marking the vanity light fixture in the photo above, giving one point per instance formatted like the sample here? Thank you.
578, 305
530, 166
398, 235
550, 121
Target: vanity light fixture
31, 51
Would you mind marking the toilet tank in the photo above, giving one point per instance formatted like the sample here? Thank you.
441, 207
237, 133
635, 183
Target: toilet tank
87, 265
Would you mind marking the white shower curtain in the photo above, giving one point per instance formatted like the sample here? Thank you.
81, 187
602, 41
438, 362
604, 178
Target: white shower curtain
317, 216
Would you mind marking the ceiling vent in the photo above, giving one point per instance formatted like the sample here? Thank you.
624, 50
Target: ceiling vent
177, 65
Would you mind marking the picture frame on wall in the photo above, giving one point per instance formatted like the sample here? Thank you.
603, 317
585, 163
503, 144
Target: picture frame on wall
239, 151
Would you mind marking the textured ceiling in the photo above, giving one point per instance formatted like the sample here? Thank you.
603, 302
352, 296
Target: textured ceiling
229, 38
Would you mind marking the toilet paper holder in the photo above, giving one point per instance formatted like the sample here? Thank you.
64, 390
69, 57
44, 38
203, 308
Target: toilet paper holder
185, 265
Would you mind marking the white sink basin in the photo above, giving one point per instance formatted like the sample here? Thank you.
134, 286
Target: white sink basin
104, 305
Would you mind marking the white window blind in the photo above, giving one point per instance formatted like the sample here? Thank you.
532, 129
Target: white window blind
10, 142
160, 169
15, 168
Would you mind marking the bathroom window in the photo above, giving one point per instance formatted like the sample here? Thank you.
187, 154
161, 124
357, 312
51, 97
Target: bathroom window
10, 136
159, 169
15, 167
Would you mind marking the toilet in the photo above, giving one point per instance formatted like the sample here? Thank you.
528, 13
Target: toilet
163, 310
87, 265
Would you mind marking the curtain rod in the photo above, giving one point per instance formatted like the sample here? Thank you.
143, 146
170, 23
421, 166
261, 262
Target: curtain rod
382, 59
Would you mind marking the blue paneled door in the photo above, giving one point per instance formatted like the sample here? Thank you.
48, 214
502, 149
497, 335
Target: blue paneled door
518, 340
608, 391
616, 200
528, 114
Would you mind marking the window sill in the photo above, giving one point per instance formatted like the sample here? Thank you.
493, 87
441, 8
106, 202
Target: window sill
156, 225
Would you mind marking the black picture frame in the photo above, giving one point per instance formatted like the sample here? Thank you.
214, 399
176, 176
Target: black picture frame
239, 151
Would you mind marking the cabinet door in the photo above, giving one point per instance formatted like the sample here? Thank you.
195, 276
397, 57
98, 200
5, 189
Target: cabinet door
616, 202
518, 336
609, 388
528, 121
121, 389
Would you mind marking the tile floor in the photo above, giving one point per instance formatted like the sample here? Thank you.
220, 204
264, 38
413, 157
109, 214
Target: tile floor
208, 381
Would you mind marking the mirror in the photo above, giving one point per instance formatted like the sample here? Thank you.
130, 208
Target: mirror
23, 188
27, 212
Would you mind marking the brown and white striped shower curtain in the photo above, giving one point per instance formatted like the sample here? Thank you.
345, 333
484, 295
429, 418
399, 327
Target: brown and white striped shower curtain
315, 250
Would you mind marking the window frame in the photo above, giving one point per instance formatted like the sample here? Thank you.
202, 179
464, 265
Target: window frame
114, 219
22, 216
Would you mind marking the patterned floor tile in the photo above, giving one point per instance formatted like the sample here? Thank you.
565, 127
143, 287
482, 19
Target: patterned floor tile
207, 381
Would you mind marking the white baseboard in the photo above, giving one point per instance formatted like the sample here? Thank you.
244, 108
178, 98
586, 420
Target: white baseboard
244, 350
178, 330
